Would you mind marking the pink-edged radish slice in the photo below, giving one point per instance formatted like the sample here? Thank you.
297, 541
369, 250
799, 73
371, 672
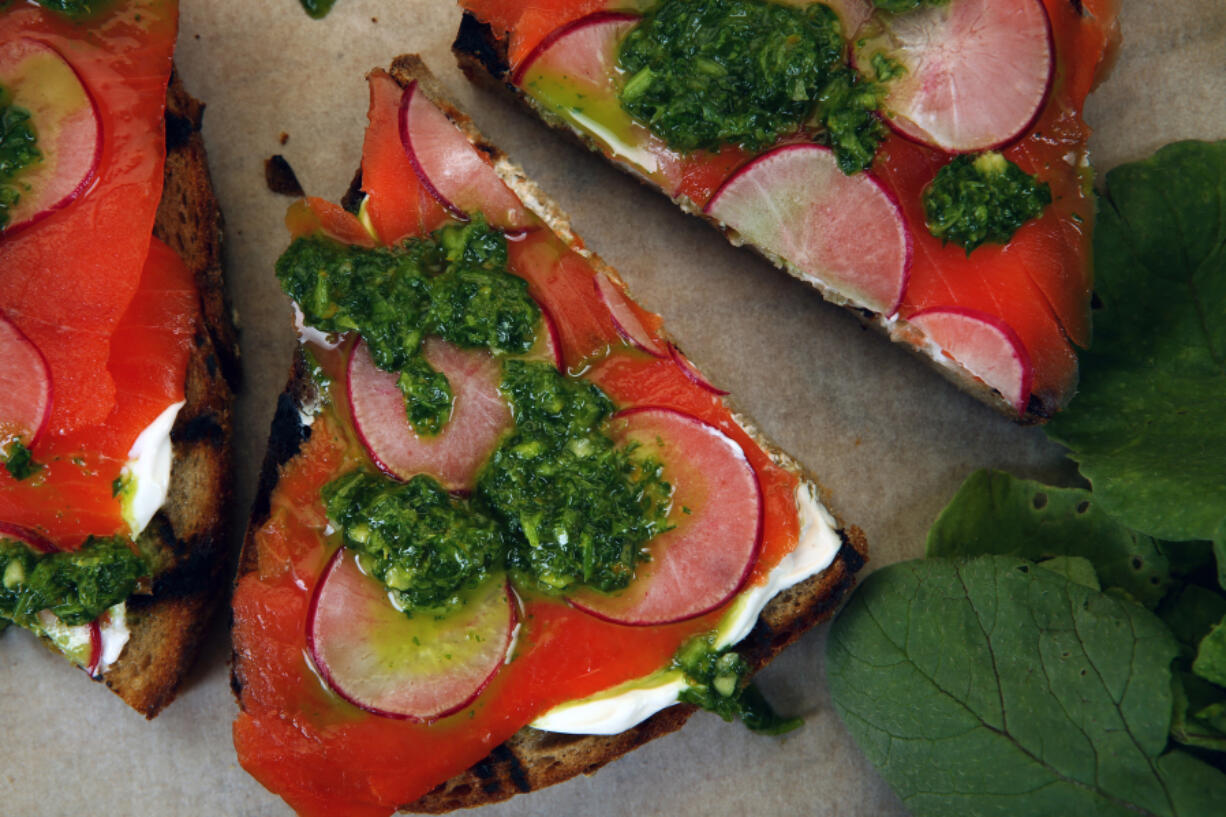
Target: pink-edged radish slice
717, 511
451, 169
977, 71
573, 73
688, 369
625, 318
479, 415
27, 537
985, 346
81, 643
25, 386
417, 669
846, 233
66, 121
95, 649
583, 51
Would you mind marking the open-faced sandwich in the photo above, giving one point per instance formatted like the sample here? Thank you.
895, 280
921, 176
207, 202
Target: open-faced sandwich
922, 162
117, 350
506, 531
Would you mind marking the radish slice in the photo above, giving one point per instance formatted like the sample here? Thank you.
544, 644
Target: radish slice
27, 537
687, 369
67, 122
584, 50
479, 416
418, 669
574, 73
95, 649
985, 346
717, 512
451, 168
845, 232
625, 319
25, 386
977, 71
548, 346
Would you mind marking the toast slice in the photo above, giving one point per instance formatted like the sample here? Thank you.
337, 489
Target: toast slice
187, 540
1043, 327
188, 537
533, 759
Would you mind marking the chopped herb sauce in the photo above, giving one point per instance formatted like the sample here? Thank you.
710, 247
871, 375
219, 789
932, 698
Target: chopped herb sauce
704, 73
559, 504
453, 284
417, 539
578, 509
18, 151
982, 199
77, 586
719, 683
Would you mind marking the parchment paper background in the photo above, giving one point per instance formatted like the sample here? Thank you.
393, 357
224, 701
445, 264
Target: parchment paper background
888, 438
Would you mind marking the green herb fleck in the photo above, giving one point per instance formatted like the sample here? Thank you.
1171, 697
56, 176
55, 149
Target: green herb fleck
886, 68
18, 151
984, 199
719, 682
19, 461
317, 8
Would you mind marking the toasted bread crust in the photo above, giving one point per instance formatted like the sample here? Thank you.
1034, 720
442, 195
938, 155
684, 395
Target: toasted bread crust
533, 759
188, 536
482, 56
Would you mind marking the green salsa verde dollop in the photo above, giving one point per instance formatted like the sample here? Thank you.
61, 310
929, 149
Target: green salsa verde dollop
453, 284
706, 73
77, 586
559, 504
982, 199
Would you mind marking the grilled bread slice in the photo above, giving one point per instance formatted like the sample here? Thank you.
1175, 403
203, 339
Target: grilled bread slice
187, 539
533, 759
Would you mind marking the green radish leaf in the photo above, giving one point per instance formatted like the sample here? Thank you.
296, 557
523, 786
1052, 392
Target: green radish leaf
1073, 568
991, 687
994, 512
1219, 553
1193, 723
1210, 662
1148, 428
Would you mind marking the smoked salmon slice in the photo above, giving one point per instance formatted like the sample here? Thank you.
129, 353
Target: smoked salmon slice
66, 289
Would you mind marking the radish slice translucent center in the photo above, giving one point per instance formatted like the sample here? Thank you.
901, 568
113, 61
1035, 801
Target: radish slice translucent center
420, 668
479, 415
451, 168
846, 233
717, 512
977, 71
984, 346
65, 120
